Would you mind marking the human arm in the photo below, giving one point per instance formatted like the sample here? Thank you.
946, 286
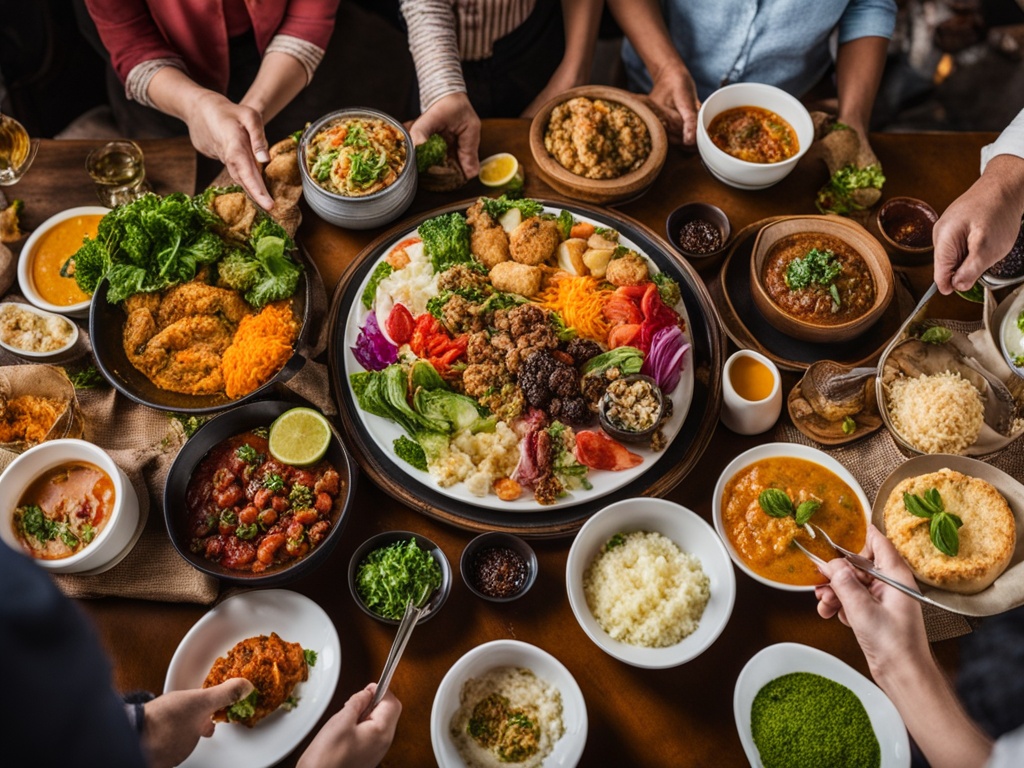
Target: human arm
890, 629
859, 67
346, 742
674, 92
176, 721
581, 20
445, 106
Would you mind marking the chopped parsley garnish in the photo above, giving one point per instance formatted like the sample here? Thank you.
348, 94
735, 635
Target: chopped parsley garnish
300, 496
248, 454
245, 708
273, 482
310, 657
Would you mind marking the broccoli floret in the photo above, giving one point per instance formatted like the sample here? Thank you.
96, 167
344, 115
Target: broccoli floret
498, 207
431, 152
446, 240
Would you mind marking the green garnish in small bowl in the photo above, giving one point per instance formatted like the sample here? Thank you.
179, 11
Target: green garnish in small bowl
394, 568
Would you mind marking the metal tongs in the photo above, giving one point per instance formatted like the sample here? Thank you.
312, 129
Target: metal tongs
411, 616
862, 563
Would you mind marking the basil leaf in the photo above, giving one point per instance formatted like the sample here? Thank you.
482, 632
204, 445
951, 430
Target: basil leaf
805, 510
934, 501
937, 334
975, 294
915, 505
943, 531
775, 503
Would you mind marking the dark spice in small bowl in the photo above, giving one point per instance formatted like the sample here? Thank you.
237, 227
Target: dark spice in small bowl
906, 224
700, 236
1012, 264
498, 571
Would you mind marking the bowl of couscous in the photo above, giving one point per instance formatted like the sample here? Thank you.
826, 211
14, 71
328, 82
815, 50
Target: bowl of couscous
650, 582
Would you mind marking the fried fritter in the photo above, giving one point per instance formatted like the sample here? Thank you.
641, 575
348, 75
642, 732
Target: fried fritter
511, 277
534, 241
274, 666
488, 242
238, 213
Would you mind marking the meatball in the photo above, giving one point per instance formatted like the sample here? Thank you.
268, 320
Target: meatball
581, 350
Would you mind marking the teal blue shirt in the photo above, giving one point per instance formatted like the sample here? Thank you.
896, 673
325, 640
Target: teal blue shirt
779, 42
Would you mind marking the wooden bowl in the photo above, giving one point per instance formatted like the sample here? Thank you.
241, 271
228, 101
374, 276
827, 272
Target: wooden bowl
627, 186
854, 235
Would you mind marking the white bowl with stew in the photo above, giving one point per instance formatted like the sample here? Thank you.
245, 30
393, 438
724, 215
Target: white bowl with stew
744, 174
750, 532
75, 484
364, 208
46, 250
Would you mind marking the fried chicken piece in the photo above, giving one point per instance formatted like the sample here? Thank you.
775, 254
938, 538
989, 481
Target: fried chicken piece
196, 298
237, 211
512, 277
274, 666
534, 241
488, 242
629, 269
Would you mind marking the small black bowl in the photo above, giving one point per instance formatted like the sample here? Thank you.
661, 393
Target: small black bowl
390, 537
234, 422
626, 435
498, 540
691, 212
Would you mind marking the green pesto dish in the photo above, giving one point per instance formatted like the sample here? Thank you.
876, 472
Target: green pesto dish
802, 719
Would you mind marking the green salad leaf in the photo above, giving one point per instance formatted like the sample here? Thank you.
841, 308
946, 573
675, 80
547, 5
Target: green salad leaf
499, 206
446, 240
245, 708
391, 577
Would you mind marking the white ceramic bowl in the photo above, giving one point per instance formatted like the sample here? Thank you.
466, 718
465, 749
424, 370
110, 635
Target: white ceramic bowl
692, 535
1011, 336
740, 173
785, 658
119, 532
38, 356
510, 653
767, 451
28, 289
367, 211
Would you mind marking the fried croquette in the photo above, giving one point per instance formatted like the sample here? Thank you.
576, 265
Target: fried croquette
628, 269
274, 667
534, 241
512, 277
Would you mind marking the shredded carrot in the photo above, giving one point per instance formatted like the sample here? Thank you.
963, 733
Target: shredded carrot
579, 301
261, 347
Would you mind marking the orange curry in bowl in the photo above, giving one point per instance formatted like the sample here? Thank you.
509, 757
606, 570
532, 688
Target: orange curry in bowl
63, 510
754, 135
50, 253
764, 543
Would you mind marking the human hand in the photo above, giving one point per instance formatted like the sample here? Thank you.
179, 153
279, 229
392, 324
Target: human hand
675, 98
175, 721
888, 625
979, 227
453, 117
345, 741
233, 134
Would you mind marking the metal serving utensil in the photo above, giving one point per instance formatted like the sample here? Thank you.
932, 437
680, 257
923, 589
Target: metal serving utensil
862, 563
405, 627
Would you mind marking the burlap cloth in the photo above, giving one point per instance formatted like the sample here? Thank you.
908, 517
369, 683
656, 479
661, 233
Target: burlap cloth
144, 442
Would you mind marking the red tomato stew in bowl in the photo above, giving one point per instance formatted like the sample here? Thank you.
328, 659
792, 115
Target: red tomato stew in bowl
250, 512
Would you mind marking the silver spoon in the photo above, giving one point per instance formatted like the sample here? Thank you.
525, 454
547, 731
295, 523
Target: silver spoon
411, 616
861, 562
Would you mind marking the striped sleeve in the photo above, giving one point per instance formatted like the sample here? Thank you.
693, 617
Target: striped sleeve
434, 48
305, 52
136, 85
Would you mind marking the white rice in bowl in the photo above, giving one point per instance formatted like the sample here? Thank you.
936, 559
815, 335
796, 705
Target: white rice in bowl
937, 413
644, 590
508, 716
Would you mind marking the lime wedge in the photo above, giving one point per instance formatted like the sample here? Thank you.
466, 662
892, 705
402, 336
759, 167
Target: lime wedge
299, 437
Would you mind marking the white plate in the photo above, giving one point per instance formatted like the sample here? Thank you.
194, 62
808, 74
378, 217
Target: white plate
385, 432
692, 535
296, 619
784, 658
1005, 592
510, 653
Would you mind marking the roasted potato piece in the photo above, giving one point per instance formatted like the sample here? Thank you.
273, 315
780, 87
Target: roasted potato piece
570, 256
596, 260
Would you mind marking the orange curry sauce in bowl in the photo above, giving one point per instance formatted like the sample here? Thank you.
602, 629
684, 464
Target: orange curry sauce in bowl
764, 543
52, 250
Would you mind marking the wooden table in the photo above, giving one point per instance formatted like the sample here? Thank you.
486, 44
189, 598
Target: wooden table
680, 716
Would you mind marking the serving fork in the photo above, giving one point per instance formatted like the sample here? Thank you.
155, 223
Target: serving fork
862, 563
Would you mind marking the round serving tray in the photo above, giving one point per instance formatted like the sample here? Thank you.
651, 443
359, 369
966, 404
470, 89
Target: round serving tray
748, 328
680, 456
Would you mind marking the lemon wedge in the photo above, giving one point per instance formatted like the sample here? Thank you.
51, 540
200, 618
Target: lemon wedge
299, 437
498, 170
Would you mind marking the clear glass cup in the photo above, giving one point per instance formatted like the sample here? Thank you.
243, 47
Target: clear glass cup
119, 171
17, 150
